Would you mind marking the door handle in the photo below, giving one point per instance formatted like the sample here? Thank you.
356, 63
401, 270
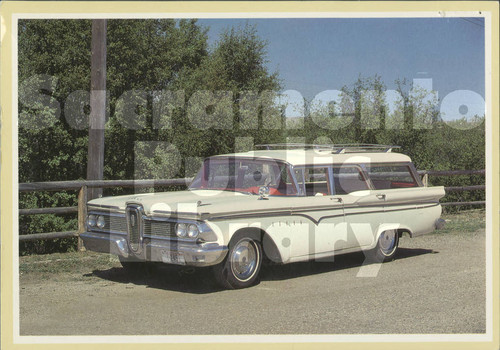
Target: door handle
381, 196
336, 199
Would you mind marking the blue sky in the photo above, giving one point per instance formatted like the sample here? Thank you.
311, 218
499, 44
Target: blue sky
313, 55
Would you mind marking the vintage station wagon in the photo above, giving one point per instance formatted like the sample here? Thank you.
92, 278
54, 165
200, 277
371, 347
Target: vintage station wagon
282, 203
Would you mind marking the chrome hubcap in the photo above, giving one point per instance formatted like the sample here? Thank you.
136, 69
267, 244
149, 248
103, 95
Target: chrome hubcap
244, 259
387, 241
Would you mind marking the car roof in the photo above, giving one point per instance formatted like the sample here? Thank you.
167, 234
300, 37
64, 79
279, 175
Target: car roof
298, 157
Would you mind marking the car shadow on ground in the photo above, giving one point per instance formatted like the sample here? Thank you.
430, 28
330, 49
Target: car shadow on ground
161, 276
336, 263
200, 281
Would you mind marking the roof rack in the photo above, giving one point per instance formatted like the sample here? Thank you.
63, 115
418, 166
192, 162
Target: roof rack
335, 148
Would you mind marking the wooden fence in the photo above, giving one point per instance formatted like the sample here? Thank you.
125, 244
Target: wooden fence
83, 186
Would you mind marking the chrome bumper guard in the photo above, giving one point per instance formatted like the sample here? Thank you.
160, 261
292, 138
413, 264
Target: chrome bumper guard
167, 251
440, 223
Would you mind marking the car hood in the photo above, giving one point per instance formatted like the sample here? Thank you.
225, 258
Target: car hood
197, 203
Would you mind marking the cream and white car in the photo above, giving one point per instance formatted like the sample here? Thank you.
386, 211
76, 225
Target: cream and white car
283, 203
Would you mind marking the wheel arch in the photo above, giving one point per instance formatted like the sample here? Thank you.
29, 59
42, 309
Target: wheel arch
400, 229
269, 247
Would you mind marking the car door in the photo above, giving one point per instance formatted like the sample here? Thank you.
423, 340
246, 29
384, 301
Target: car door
318, 226
363, 208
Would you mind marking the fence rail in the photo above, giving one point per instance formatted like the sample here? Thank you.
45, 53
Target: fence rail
83, 185
76, 185
451, 172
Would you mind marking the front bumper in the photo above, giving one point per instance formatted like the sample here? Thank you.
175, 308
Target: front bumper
167, 251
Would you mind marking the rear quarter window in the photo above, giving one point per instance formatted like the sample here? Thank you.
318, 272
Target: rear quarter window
388, 176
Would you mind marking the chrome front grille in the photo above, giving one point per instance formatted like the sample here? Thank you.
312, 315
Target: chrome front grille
159, 228
115, 223
134, 223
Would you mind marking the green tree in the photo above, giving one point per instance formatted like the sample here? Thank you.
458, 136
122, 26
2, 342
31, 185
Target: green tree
54, 61
413, 123
154, 68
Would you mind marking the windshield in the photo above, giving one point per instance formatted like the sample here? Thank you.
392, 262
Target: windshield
244, 175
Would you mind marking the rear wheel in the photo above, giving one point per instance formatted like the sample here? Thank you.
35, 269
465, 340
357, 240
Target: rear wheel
240, 268
387, 246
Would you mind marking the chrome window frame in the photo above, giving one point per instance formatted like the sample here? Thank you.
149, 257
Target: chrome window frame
300, 187
328, 167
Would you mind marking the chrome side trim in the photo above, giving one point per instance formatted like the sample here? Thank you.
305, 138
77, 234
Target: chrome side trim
110, 213
295, 212
110, 208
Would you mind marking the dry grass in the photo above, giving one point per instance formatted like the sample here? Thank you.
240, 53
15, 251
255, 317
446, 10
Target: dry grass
73, 263
469, 221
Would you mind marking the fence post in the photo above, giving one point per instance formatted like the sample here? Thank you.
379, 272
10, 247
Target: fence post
82, 215
425, 180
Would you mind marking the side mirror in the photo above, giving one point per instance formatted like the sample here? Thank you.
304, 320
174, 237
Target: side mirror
263, 192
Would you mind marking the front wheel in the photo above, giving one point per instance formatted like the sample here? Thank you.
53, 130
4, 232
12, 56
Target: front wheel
387, 246
240, 268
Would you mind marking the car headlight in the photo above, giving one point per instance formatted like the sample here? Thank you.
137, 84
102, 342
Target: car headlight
181, 230
100, 222
92, 220
192, 231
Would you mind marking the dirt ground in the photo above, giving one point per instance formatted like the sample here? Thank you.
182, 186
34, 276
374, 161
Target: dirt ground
436, 284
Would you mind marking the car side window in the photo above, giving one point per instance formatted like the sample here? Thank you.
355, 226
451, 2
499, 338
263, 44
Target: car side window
316, 181
348, 179
284, 185
391, 176
299, 176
